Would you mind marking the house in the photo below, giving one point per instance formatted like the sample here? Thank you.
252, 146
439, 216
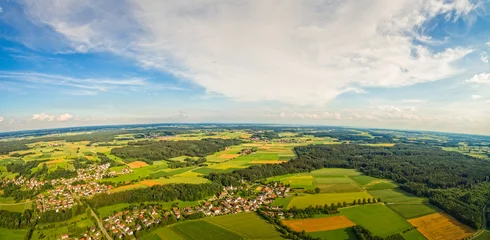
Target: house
64, 236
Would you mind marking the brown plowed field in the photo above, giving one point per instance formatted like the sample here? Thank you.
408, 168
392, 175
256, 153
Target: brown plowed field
440, 226
319, 224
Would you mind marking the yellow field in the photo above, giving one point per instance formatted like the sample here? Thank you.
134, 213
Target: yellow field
137, 164
228, 156
127, 187
319, 224
55, 161
439, 226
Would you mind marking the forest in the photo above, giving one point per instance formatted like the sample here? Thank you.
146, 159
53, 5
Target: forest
166, 193
150, 151
15, 220
454, 182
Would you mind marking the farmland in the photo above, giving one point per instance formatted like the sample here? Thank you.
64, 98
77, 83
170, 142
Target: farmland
378, 218
403, 203
441, 226
339, 234
319, 224
203, 230
10, 234
249, 224
326, 198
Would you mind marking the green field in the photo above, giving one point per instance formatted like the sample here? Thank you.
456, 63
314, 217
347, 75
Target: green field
413, 235
483, 236
282, 202
55, 230
248, 224
16, 207
326, 198
203, 230
338, 234
409, 211
335, 172
397, 196
378, 218
109, 210
10, 234
371, 183
163, 233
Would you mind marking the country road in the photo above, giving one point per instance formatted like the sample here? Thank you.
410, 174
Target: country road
108, 237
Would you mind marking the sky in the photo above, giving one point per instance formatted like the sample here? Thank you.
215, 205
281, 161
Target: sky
404, 64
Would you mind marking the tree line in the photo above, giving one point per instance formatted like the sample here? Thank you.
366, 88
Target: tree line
165, 193
150, 151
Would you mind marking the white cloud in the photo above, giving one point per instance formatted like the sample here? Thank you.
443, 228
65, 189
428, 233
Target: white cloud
476, 97
488, 43
44, 116
310, 52
64, 117
1, 119
482, 78
412, 101
484, 57
324, 115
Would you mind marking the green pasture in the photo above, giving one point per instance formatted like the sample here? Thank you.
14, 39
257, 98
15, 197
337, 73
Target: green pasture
109, 210
335, 172
247, 224
203, 230
326, 198
11, 234
163, 233
55, 230
16, 207
409, 211
378, 218
338, 234
282, 202
413, 235
397, 196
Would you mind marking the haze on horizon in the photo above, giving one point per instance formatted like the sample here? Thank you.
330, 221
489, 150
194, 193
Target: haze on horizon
405, 64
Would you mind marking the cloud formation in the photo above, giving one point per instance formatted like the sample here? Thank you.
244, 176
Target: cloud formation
482, 78
2, 119
484, 57
44, 116
476, 97
295, 52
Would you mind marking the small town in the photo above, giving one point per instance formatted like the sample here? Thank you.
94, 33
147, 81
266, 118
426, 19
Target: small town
127, 222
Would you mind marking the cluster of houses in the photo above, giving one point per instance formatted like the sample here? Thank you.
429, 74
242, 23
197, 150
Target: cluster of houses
91, 234
56, 199
127, 222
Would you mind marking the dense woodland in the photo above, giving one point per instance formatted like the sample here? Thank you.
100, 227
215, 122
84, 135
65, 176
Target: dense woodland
454, 182
15, 220
150, 151
165, 193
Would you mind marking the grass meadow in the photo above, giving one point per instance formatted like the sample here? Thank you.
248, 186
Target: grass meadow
247, 224
326, 198
203, 230
338, 234
378, 218
11, 234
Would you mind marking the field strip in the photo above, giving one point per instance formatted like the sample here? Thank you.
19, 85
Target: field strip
233, 231
356, 183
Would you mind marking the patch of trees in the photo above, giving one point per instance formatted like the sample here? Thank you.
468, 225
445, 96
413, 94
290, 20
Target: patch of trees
16, 220
165, 193
285, 231
105, 159
354, 136
188, 162
81, 162
24, 169
364, 234
150, 151
60, 173
424, 171
266, 135
22, 155
51, 216
15, 191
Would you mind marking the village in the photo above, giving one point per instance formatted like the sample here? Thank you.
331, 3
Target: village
128, 222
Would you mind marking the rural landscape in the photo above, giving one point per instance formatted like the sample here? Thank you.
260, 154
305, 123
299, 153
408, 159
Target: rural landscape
244, 120
242, 182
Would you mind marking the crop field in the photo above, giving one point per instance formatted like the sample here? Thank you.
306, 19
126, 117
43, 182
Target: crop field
326, 198
329, 180
405, 204
16, 207
485, 235
247, 224
339, 234
163, 233
408, 211
319, 224
174, 179
203, 230
55, 230
282, 202
371, 183
440, 226
127, 187
137, 164
266, 161
413, 235
378, 218
109, 210
11, 234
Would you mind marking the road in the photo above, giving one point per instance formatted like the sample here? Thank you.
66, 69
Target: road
101, 226
483, 225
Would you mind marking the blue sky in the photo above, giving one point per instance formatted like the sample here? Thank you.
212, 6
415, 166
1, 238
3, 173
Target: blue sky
404, 64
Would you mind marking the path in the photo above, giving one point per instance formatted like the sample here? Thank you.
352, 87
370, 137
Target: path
101, 226
483, 225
